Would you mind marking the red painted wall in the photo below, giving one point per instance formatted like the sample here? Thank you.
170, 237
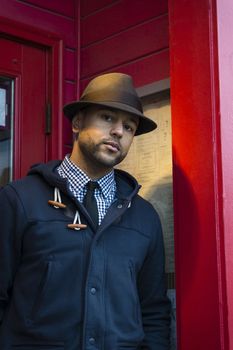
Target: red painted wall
56, 18
129, 36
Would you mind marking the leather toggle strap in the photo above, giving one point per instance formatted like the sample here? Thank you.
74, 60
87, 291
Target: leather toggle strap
56, 204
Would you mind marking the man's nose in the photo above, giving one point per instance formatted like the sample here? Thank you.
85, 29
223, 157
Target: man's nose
117, 129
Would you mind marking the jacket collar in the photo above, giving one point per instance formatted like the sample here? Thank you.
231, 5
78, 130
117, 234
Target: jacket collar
127, 185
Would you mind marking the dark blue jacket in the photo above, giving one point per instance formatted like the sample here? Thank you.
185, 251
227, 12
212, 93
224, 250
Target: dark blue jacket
66, 289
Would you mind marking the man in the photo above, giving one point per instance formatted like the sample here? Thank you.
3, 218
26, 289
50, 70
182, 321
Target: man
81, 253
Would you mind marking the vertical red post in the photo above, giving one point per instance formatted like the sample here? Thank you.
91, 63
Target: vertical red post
225, 51
199, 229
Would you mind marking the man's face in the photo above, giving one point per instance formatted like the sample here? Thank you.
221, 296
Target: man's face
104, 136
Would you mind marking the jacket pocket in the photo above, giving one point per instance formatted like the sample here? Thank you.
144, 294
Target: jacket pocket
135, 291
128, 346
36, 346
44, 282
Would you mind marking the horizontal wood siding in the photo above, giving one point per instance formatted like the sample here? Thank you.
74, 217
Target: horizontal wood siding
128, 46
155, 65
129, 36
112, 20
90, 6
65, 8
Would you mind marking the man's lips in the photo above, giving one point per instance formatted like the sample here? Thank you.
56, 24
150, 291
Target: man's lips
112, 146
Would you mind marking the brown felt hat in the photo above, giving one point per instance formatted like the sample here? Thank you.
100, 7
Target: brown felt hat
113, 90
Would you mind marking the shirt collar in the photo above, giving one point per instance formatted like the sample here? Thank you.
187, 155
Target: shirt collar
107, 183
79, 178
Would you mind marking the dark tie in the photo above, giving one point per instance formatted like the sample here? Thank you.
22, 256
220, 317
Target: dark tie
89, 202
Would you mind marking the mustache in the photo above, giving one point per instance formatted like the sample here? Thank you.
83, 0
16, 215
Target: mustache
112, 142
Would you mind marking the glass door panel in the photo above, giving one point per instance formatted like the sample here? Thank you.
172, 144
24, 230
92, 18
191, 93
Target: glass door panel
6, 129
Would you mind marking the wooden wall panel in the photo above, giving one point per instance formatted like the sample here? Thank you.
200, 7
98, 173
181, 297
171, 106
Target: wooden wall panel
70, 91
62, 7
89, 6
70, 64
128, 36
125, 47
152, 68
119, 17
55, 24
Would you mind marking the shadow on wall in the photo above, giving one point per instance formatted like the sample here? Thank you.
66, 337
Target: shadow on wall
4, 176
179, 198
186, 236
162, 200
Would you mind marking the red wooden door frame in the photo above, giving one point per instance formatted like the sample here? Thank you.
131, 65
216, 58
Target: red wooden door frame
225, 20
27, 65
55, 45
198, 207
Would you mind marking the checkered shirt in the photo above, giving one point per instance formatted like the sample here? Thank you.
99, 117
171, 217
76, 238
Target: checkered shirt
77, 180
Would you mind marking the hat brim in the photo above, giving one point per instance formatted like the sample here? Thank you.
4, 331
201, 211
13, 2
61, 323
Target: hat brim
145, 124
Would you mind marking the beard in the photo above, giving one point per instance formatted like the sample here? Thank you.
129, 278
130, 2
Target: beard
98, 156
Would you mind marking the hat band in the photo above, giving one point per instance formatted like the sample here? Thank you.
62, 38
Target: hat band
106, 95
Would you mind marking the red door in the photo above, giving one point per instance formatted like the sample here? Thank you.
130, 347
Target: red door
24, 71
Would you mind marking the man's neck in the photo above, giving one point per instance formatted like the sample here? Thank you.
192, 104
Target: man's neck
94, 173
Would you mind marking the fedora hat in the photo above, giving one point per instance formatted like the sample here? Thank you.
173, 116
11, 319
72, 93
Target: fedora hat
114, 90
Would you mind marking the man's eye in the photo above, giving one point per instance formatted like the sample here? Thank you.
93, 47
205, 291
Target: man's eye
107, 117
129, 128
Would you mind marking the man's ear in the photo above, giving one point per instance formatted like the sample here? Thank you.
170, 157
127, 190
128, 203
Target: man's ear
76, 123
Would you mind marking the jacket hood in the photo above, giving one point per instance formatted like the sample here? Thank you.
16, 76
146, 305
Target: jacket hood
127, 185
